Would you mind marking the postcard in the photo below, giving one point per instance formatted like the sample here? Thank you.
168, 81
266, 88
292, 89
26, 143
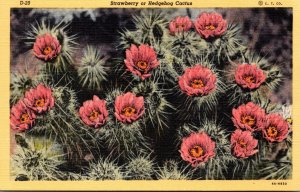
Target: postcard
120, 95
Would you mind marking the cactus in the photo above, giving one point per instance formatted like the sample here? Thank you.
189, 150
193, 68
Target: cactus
169, 78
139, 168
122, 139
64, 126
92, 71
229, 46
59, 68
217, 167
187, 46
104, 169
157, 107
37, 158
171, 171
272, 74
151, 25
19, 84
190, 105
59, 31
280, 169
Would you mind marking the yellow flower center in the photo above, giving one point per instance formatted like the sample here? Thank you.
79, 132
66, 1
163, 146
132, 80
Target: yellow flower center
25, 118
142, 65
180, 25
47, 50
249, 79
289, 120
210, 27
248, 120
196, 151
128, 111
242, 143
272, 131
197, 84
94, 115
39, 103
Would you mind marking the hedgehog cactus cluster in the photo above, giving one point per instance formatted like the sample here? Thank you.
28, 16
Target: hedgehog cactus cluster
182, 99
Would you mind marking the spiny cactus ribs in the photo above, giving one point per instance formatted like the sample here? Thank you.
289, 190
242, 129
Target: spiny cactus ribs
171, 97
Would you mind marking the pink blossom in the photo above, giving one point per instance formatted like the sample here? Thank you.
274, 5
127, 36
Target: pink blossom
180, 24
210, 25
197, 81
197, 148
21, 117
276, 129
243, 144
93, 112
248, 117
39, 99
129, 108
141, 60
249, 76
46, 47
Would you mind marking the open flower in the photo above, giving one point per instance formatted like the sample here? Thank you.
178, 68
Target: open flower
276, 129
249, 76
46, 47
93, 112
243, 144
180, 24
39, 99
248, 117
197, 81
21, 117
129, 108
197, 148
141, 60
210, 25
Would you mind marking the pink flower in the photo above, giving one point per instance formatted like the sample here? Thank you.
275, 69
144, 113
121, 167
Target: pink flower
197, 81
129, 108
197, 148
180, 24
93, 112
46, 47
249, 76
141, 60
39, 99
243, 144
248, 117
21, 117
210, 25
276, 129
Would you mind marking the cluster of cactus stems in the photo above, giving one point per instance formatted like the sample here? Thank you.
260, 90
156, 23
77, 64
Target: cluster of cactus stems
182, 100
